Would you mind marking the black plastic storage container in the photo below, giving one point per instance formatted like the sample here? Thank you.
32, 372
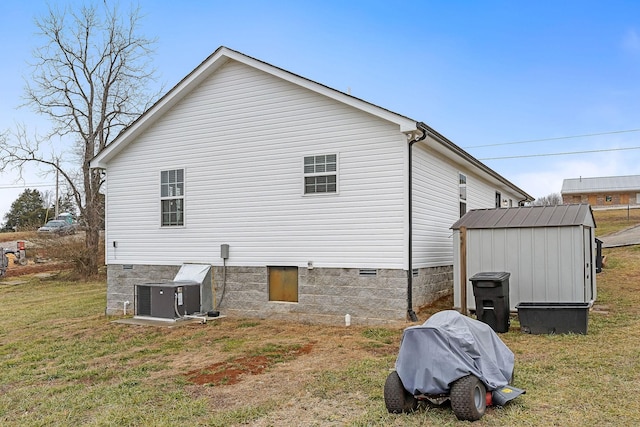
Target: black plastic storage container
598, 255
491, 292
553, 317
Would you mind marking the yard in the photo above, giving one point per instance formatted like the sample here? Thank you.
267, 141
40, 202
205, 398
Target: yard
63, 362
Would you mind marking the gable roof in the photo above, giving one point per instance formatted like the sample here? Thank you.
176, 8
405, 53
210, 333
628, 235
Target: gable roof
223, 54
527, 217
601, 184
218, 58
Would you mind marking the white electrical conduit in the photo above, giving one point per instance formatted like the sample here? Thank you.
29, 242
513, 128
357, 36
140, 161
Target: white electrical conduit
203, 319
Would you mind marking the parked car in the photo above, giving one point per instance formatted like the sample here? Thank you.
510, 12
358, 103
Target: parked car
57, 226
7, 229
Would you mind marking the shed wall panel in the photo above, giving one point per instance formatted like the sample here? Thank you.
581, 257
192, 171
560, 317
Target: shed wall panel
546, 263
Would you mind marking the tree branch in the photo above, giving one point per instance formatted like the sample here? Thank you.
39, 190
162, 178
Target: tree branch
90, 77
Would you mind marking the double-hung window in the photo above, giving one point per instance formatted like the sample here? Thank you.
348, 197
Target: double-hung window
321, 174
172, 197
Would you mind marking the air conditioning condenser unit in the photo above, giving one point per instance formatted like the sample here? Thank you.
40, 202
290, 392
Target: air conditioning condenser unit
167, 300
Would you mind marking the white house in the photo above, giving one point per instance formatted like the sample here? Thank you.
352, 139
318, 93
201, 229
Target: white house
325, 201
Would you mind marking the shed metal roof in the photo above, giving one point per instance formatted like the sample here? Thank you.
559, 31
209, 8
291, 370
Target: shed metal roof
601, 184
528, 216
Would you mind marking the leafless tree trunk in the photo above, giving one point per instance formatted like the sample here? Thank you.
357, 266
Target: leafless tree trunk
90, 77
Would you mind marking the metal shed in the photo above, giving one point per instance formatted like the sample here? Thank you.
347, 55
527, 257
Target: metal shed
550, 252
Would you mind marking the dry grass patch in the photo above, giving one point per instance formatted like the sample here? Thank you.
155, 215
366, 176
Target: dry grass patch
610, 221
62, 362
71, 365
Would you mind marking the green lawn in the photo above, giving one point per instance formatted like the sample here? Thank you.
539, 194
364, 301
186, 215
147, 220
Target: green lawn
63, 362
610, 221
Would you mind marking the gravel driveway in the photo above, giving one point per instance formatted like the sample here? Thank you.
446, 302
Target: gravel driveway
629, 236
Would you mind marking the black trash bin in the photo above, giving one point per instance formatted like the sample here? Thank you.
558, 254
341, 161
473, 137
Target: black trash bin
598, 255
491, 292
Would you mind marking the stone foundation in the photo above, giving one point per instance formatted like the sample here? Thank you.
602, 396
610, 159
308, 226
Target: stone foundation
432, 284
325, 295
122, 279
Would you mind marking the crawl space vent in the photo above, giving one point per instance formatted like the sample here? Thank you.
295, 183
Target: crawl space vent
368, 272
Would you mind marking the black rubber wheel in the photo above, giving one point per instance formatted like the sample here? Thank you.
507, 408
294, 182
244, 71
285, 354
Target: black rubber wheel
468, 398
396, 398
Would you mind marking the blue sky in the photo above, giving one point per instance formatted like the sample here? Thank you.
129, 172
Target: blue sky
479, 72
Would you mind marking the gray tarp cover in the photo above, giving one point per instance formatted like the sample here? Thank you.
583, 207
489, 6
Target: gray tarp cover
449, 346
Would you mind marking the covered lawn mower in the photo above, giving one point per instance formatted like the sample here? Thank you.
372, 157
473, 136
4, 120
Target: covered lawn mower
451, 357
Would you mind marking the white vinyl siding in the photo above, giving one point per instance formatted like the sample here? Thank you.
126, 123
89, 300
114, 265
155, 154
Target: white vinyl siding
483, 192
436, 207
437, 199
238, 128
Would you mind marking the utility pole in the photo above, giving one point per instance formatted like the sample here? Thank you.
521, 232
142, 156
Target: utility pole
57, 180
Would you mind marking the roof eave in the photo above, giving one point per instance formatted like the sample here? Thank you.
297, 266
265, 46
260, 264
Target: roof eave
478, 164
223, 54
212, 63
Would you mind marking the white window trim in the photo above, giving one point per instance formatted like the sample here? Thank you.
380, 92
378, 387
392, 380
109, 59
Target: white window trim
336, 173
466, 192
184, 198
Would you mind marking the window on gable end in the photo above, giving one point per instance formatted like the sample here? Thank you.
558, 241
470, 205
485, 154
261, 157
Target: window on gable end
172, 198
321, 174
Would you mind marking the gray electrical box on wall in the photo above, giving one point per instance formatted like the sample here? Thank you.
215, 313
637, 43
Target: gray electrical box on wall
224, 251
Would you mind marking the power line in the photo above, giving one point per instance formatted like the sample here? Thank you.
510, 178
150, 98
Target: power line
35, 185
560, 154
554, 139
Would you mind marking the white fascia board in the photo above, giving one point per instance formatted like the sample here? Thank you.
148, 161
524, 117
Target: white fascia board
458, 155
212, 63
406, 124
215, 61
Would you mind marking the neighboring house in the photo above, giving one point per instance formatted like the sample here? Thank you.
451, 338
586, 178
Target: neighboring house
309, 187
602, 191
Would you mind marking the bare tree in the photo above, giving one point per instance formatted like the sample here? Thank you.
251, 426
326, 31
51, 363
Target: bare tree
552, 199
90, 78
